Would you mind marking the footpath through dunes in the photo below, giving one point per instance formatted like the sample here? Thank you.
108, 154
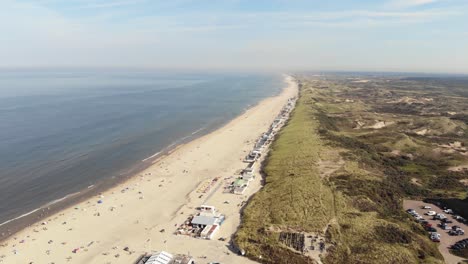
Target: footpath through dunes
321, 203
142, 214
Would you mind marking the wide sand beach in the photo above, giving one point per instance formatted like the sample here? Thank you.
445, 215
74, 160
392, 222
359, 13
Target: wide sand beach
132, 215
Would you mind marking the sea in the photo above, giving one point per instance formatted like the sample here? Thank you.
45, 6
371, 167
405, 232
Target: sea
66, 131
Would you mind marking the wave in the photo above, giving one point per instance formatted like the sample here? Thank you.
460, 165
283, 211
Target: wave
152, 156
40, 208
198, 131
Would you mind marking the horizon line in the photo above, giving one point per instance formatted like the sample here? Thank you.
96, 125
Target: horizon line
232, 70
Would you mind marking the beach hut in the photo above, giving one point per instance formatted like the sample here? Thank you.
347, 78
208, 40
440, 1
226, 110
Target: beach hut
165, 257
239, 190
250, 167
240, 183
183, 259
209, 231
239, 186
248, 176
162, 257
252, 157
201, 221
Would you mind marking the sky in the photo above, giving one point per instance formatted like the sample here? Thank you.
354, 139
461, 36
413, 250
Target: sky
277, 35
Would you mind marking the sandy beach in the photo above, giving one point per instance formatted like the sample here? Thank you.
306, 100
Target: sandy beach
132, 215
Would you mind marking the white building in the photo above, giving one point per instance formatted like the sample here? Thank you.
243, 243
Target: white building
164, 257
209, 231
202, 221
160, 258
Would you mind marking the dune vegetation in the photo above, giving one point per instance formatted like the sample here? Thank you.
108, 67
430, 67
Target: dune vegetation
342, 166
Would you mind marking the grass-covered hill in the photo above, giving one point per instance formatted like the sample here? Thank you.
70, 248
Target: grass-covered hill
341, 167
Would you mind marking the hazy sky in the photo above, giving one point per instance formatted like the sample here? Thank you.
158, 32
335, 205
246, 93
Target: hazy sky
392, 35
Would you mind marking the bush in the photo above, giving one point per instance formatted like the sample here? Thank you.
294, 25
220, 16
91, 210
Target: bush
393, 234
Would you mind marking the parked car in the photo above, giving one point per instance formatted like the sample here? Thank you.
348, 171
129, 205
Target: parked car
448, 211
411, 211
447, 221
460, 219
439, 217
458, 246
462, 244
435, 237
455, 247
431, 229
457, 232
420, 220
425, 207
430, 213
444, 226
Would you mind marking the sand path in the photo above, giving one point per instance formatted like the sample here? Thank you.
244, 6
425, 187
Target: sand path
133, 213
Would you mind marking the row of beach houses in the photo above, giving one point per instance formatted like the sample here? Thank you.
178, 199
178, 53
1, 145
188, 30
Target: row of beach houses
207, 221
239, 185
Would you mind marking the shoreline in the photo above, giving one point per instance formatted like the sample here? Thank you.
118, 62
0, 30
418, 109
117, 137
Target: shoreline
12, 226
159, 169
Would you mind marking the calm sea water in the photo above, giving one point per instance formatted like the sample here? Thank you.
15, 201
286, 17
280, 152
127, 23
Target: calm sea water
61, 131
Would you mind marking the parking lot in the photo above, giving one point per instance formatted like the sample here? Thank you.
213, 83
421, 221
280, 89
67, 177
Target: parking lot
446, 240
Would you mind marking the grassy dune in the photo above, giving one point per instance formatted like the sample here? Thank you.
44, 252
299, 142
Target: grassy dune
355, 203
293, 197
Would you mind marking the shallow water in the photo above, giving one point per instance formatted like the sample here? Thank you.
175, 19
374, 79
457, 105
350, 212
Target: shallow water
61, 131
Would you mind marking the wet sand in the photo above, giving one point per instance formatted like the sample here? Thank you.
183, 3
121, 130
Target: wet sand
133, 213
